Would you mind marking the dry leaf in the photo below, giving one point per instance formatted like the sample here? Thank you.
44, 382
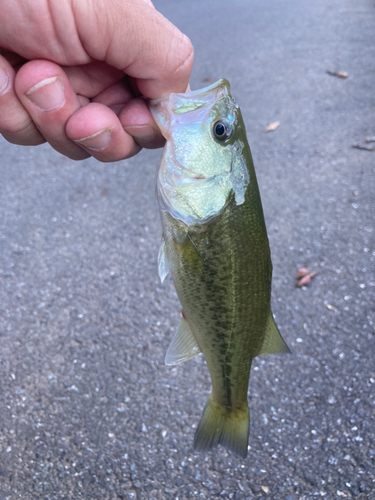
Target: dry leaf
339, 74
304, 277
304, 281
341, 494
302, 272
265, 489
364, 146
331, 308
272, 126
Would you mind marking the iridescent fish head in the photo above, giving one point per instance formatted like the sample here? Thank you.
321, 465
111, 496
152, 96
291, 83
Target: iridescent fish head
202, 165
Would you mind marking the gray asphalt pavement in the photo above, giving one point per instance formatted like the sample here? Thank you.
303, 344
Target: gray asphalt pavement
87, 407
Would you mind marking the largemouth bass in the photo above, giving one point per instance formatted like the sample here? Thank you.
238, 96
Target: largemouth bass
216, 247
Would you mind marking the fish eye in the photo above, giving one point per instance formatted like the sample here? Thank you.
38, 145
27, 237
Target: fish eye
222, 130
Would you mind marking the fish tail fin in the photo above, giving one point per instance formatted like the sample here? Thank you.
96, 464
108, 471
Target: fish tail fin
220, 426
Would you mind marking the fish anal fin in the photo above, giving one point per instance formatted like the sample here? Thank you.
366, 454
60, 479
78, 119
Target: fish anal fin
220, 426
183, 345
273, 342
163, 264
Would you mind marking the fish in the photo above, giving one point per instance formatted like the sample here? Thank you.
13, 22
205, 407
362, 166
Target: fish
215, 246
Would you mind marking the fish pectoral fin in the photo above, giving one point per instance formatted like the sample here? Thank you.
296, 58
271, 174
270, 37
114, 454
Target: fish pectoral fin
163, 264
273, 342
183, 345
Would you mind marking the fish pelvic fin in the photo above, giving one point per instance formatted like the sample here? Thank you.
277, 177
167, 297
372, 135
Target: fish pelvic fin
163, 264
220, 426
183, 345
273, 342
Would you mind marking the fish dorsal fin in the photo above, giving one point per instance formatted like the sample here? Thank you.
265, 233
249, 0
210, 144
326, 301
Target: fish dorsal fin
163, 263
273, 342
183, 345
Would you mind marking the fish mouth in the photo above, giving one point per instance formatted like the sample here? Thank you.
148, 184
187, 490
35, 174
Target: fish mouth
189, 101
186, 102
221, 86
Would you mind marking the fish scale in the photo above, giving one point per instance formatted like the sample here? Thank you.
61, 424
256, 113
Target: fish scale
218, 255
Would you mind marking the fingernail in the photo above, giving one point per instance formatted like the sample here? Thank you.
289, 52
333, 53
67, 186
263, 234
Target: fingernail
142, 133
48, 94
97, 141
4, 80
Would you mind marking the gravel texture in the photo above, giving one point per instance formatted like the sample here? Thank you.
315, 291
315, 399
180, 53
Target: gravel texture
87, 407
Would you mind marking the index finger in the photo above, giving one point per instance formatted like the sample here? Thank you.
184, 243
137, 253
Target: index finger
132, 36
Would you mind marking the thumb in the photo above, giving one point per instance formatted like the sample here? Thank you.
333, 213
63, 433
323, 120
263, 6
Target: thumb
132, 36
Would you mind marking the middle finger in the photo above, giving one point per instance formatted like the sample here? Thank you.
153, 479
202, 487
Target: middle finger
44, 90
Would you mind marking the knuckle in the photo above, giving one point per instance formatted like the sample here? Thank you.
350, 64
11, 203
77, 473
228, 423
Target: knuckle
185, 57
75, 155
186, 46
14, 128
23, 141
23, 134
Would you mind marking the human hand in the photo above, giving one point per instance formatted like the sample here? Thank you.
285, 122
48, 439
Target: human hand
74, 73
